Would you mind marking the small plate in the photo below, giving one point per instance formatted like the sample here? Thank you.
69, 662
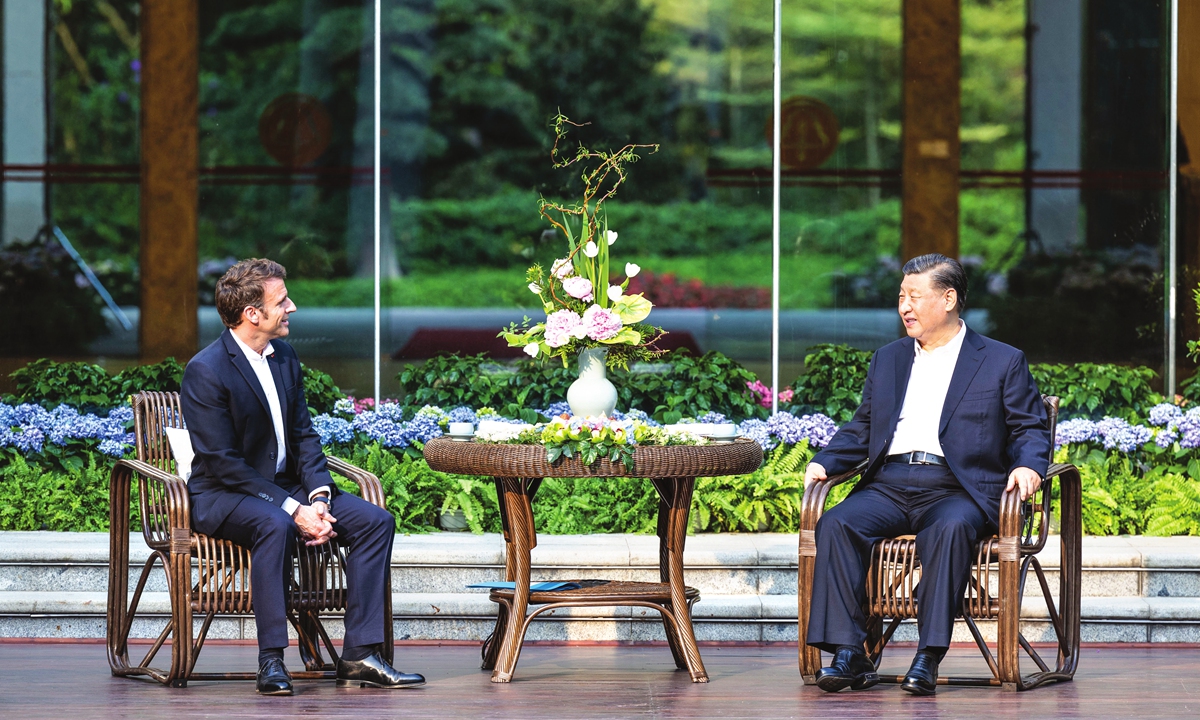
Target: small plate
461, 438
722, 439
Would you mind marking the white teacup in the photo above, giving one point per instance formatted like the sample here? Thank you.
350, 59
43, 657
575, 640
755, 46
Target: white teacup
461, 428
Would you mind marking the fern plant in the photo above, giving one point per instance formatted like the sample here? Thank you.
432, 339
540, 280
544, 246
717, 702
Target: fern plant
1176, 508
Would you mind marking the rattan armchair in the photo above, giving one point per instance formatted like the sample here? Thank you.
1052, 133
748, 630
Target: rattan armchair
996, 590
205, 576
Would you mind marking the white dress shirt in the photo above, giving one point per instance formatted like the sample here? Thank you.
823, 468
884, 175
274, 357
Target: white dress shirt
921, 413
262, 370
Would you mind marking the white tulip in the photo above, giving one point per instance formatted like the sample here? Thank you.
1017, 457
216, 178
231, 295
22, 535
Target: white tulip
632, 270
614, 292
535, 288
591, 249
532, 349
612, 236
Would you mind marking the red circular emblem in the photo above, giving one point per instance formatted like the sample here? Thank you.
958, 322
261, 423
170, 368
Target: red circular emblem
295, 129
810, 133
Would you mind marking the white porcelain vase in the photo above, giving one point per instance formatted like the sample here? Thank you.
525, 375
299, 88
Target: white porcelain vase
592, 395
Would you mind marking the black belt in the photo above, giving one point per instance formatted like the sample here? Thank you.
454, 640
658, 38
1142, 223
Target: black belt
916, 458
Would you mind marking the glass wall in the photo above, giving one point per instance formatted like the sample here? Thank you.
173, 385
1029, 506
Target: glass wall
286, 118
1061, 203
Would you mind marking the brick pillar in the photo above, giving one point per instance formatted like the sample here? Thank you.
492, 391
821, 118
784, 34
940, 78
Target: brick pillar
932, 93
169, 194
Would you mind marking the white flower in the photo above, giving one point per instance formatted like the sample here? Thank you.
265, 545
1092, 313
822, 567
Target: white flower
562, 268
532, 349
632, 270
591, 249
535, 288
614, 292
611, 235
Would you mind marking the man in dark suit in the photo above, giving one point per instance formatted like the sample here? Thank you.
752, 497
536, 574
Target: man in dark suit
949, 420
259, 478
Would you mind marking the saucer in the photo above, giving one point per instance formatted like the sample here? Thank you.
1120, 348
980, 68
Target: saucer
461, 438
721, 439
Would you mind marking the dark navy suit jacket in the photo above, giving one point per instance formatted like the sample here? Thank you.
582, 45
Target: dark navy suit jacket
229, 422
993, 420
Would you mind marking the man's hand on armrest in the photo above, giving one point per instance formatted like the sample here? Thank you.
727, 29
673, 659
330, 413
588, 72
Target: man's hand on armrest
1028, 480
814, 472
315, 523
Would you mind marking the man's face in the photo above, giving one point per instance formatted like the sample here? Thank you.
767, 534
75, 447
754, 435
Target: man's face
926, 311
277, 306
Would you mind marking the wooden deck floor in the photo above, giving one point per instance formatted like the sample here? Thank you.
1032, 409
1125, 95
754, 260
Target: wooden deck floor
72, 681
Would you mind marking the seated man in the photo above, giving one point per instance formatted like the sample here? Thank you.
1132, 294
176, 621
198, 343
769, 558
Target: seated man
259, 478
947, 416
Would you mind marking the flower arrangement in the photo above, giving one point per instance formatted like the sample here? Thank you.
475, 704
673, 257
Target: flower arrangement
583, 310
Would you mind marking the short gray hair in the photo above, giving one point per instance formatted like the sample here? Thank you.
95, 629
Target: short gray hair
945, 273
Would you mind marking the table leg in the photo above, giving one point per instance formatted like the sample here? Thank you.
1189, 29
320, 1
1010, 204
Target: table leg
677, 497
664, 515
519, 541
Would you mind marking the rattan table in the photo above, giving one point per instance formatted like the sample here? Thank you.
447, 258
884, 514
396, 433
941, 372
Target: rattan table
518, 471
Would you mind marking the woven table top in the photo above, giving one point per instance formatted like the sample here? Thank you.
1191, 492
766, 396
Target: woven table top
650, 461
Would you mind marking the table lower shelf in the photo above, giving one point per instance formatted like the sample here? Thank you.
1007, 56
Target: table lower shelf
602, 592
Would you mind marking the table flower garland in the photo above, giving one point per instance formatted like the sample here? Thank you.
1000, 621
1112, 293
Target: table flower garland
589, 439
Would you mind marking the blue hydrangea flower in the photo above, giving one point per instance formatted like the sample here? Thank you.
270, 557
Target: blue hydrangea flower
122, 414
1189, 428
333, 429
424, 427
113, 448
345, 406
757, 431
1162, 414
712, 417
1071, 432
462, 413
556, 409
1166, 437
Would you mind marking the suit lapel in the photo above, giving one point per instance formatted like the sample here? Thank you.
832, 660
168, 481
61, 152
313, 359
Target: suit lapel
274, 363
970, 358
903, 370
238, 358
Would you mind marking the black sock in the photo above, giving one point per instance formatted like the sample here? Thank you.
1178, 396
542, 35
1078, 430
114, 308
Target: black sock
268, 653
350, 653
937, 653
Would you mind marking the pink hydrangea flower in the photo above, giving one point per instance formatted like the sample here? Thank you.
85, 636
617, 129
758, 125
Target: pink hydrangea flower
578, 288
600, 323
561, 326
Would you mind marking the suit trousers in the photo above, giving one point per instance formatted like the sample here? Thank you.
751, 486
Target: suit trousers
365, 530
925, 500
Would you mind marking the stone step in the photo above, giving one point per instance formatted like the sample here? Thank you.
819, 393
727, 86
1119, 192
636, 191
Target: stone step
470, 616
749, 564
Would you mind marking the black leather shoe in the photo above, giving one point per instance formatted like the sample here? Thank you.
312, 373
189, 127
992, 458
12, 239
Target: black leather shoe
849, 669
373, 671
273, 678
922, 676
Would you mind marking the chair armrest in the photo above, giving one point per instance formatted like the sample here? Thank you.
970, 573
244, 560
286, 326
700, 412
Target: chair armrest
1011, 519
815, 495
162, 498
367, 483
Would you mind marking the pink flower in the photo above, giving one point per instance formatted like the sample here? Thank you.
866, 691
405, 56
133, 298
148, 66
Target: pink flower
561, 326
562, 268
578, 288
601, 324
